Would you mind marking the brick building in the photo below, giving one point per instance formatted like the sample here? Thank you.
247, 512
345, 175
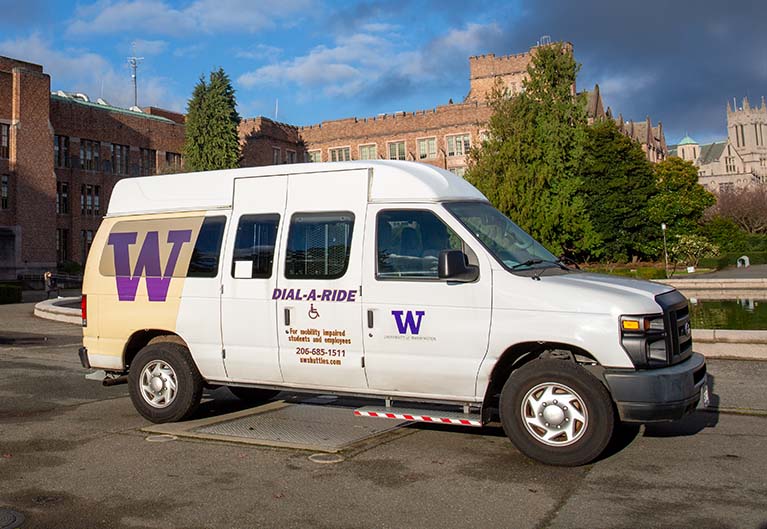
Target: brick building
60, 156
440, 136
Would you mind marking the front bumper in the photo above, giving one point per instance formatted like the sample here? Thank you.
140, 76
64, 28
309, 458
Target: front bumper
83, 354
653, 395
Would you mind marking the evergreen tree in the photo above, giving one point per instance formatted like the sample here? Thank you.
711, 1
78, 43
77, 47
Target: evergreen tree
530, 166
212, 141
619, 182
681, 200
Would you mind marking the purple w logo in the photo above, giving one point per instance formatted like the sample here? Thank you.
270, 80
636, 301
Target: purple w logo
410, 322
148, 263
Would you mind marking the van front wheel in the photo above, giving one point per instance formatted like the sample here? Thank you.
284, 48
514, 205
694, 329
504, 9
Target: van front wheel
556, 412
164, 383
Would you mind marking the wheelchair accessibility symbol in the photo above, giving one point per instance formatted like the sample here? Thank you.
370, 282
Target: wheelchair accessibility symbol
313, 314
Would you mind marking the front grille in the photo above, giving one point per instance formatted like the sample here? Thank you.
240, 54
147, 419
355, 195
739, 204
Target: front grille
676, 320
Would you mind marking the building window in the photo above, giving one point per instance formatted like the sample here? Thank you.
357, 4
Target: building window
314, 156
173, 160
120, 157
87, 238
725, 187
369, 152
397, 150
275, 155
459, 171
742, 136
458, 145
90, 200
729, 162
61, 151
62, 245
291, 156
147, 162
763, 161
4, 191
62, 198
4, 139
340, 154
89, 155
427, 148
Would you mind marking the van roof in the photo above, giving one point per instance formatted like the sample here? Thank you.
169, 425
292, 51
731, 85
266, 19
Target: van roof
393, 181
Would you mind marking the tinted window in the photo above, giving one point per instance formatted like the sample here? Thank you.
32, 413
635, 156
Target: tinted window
318, 245
409, 243
255, 241
207, 249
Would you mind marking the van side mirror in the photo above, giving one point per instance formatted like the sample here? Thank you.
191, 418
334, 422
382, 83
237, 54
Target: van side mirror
453, 267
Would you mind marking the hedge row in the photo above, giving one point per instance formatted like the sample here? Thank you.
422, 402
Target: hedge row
731, 259
10, 294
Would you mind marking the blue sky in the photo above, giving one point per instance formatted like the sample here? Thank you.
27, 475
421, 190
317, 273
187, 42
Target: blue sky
678, 62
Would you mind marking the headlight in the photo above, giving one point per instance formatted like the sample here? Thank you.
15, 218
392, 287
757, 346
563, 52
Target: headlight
643, 337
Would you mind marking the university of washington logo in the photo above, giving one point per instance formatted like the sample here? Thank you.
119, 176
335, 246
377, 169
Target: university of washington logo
148, 263
411, 321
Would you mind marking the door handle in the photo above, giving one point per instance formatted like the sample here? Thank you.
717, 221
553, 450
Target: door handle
287, 316
370, 319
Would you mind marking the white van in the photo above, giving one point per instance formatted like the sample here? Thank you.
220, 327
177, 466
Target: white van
396, 281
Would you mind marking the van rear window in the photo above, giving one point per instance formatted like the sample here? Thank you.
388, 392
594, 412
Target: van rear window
319, 245
254, 244
207, 249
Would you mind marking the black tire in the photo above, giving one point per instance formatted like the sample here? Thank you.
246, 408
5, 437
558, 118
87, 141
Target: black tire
545, 380
253, 395
189, 383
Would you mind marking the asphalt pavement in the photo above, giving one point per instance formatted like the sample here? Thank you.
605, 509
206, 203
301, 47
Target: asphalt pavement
72, 455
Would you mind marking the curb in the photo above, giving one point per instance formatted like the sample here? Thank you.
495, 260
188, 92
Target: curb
50, 309
719, 284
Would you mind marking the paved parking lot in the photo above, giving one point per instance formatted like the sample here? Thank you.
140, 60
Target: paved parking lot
72, 455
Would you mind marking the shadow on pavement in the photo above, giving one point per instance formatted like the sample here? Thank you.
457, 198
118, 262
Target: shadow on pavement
692, 424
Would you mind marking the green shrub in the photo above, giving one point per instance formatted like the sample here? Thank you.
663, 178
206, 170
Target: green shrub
731, 259
10, 294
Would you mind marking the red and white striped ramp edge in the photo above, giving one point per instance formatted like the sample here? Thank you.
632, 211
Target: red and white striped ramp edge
459, 419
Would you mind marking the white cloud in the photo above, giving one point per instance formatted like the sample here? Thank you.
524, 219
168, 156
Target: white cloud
158, 17
364, 62
148, 47
259, 52
76, 70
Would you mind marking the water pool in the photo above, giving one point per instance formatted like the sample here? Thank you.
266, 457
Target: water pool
741, 314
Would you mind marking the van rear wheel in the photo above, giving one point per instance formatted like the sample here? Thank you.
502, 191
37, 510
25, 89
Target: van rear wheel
164, 383
556, 412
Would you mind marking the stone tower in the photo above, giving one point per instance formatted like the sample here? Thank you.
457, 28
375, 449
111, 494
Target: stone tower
746, 130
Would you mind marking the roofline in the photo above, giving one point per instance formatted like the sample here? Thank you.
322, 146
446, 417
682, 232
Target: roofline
110, 108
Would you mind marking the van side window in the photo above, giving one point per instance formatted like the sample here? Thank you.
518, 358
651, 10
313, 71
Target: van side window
254, 244
319, 245
207, 249
408, 244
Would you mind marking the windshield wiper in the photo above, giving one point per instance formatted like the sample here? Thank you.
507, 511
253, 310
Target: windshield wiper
530, 262
565, 260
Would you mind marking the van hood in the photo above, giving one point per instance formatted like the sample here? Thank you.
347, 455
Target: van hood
612, 283
577, 292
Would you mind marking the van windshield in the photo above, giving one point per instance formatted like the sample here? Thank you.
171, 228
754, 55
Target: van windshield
514, 248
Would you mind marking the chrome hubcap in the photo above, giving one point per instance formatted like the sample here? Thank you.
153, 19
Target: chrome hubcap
554, 414
158, 384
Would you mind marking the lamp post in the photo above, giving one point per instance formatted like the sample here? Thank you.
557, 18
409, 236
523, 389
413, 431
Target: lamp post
665, 250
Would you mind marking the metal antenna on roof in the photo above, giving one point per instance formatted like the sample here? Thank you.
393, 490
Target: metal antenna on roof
133, 62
